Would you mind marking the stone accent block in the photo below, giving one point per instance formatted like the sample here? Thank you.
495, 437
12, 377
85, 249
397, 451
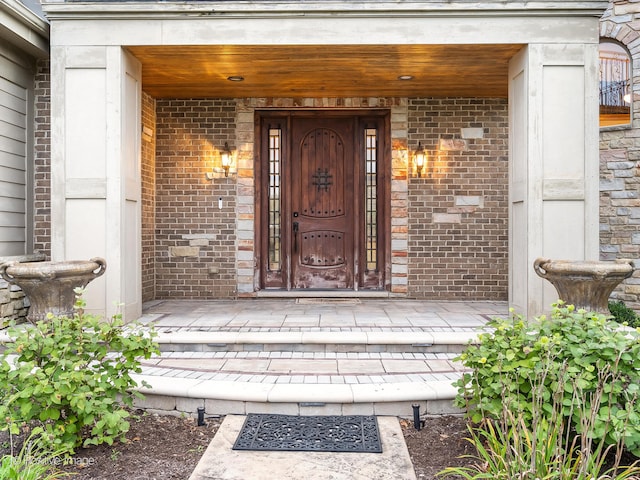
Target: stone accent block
199, 242
447, 218
14, 305
472, 132
398, 409
466, 200
200, 236
164, 403
609, 184
442, 407
189, 405
224, 407
357, 409
466, 209
184, 251
5, 296
452, 144
275, 408
620, 165
326, 409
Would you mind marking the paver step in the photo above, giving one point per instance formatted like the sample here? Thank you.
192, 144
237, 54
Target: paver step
293, 382
281, 367
452, 341
432, 393
375, 356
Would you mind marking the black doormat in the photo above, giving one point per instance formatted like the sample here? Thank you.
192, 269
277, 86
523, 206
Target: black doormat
350, 433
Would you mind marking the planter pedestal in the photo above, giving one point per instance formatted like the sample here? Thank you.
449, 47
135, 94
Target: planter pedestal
50, 285
584, 284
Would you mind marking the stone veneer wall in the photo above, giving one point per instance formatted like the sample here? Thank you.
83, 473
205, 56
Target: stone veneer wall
13, 303
458, 209
195, 240
148, 189
620, 160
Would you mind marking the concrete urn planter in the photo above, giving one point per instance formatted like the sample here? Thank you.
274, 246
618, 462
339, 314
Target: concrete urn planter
50, 285
583, 283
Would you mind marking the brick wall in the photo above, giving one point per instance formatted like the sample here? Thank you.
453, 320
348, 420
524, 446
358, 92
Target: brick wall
452, 222
620, 161
245, 132
148, 189
195, 239
42, 159
458, 209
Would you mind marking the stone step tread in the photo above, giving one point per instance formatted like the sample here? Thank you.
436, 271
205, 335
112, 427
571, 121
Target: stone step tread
450, 337
259, 329
309, 355
302, 378
407, 388
305, 370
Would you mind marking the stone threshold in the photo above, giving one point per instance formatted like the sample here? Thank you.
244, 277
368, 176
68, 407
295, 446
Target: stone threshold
325, 294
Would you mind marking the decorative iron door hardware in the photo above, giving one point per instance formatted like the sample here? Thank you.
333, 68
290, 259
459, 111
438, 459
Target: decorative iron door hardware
322, 179
296, 227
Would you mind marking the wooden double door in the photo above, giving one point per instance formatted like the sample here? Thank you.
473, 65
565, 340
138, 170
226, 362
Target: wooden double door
322, 183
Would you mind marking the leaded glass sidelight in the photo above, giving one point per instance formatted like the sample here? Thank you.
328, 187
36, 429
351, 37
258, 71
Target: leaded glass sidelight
371, 201
275, 206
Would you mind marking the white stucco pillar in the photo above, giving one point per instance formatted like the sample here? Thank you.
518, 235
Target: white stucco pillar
553, 198
95, 169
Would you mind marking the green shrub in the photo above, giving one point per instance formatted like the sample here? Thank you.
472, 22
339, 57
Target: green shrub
516, 451
580, 350
623, 314
34, 461
69, 375
544, 447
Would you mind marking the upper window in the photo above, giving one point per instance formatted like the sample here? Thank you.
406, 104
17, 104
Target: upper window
615, 85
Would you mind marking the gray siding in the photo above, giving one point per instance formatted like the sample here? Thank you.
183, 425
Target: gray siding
16, 80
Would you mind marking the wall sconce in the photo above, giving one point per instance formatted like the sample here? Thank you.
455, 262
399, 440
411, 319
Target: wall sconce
225, 165
225, 157
420, 159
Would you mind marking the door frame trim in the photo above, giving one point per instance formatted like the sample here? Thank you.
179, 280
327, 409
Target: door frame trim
381, 116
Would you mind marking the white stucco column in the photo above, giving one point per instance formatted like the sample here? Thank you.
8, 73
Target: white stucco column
95, 169
553, 204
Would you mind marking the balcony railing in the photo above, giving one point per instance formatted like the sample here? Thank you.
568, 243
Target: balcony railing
614, 85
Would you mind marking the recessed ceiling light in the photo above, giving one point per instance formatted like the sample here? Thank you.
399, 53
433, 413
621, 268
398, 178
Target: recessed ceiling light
235, 78
405, 77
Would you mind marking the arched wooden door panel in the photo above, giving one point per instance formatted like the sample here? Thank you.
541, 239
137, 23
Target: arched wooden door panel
322, 190
322, 186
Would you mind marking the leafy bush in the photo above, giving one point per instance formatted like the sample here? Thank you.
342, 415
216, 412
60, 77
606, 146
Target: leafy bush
516, 451
623, 314
70, 374
511, 447
34, 461
579, 350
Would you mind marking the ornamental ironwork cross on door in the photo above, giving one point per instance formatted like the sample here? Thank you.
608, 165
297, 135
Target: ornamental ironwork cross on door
322, 179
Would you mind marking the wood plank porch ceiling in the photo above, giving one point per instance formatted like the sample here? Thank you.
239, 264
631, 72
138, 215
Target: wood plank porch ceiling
325, 70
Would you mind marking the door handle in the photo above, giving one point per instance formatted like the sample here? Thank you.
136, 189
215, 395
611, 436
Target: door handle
296, 227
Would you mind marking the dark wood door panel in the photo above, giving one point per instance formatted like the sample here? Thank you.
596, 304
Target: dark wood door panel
322, 167
323, 180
